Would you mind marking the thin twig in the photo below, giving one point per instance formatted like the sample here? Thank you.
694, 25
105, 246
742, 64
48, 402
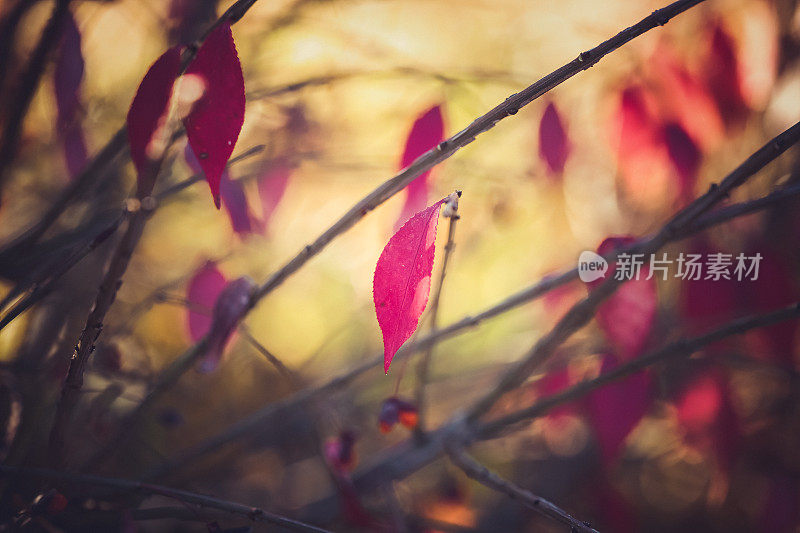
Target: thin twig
254, 514
423, 366
681, 348
583, 311
486, 477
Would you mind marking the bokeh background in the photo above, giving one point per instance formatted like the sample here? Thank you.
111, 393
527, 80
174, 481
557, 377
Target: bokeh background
333, 89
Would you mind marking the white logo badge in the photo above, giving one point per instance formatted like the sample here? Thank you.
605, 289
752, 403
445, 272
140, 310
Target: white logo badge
591, 267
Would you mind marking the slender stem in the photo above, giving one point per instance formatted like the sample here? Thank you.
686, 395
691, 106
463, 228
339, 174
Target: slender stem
486, 477
254, 514
423, 366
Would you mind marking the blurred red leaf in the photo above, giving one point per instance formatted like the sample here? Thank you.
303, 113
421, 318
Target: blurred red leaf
148, 111
706, 414
204, 288
394, 410
554, 145
722, 74
426, 132
402, 279
615, 409
231, 305
67, 80
216, 118
271, 188
627, 316
772, 289
686, 98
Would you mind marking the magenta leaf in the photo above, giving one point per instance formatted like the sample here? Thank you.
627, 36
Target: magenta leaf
67, 80
615, 409
627, 316
554, 145
402, 279
426, 132
204, 288
231, 305
148, 112
271, 188
216, 119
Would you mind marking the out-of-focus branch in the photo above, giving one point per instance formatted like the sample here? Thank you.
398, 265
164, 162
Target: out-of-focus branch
17, 107
681, 348
582, 312
43, 283
254, 514
486, 477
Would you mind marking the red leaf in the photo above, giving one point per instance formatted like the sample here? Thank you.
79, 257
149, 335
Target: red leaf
230, 307
149, 109
554, 145
627, 316
204, 288
271, 187
216, 119
402, 279
615, 409
426, 133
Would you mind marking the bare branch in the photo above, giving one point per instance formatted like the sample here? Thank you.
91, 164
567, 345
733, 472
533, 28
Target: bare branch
484, 476
681, 348
254, 514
